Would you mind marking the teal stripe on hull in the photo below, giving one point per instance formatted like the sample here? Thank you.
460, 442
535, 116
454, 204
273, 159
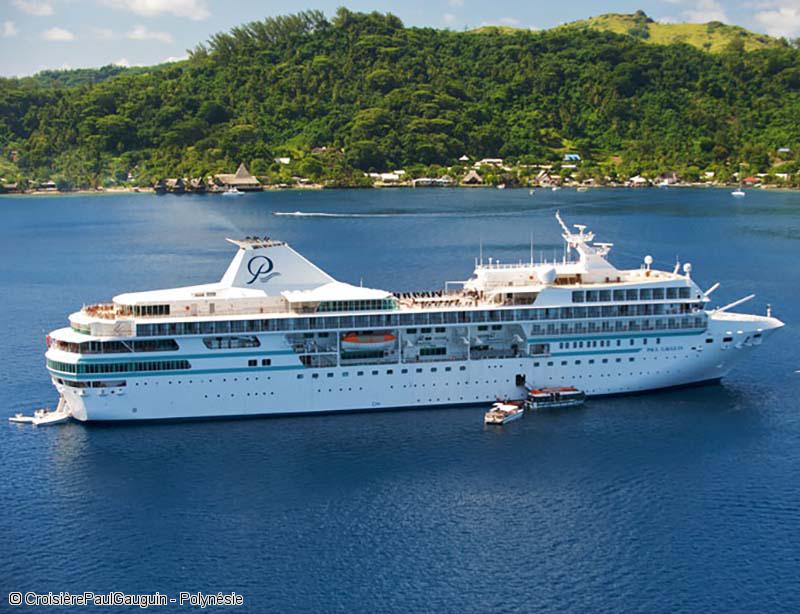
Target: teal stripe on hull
183, 372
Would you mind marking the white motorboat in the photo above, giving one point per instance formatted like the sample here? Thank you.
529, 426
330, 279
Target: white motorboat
21, 419
503, 412
45, 417
232, 192
738, 193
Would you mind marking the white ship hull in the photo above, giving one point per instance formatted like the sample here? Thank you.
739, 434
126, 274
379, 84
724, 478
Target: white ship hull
678, 360
279, 336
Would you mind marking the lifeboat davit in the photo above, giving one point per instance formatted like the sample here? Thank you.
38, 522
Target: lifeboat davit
371, 341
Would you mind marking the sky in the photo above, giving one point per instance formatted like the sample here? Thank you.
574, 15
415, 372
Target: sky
45, 34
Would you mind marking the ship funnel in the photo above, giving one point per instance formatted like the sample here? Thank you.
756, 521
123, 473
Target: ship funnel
273, 267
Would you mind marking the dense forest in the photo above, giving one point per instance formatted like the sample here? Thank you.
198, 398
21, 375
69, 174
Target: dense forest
360, 92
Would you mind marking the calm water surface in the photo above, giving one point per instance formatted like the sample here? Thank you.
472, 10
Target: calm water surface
678, 501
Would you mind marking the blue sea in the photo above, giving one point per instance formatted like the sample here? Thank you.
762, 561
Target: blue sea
685, 500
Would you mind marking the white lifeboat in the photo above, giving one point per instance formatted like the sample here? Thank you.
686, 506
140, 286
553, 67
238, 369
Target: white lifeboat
368, 341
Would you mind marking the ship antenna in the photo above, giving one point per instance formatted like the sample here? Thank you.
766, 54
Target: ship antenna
531, 248
481, 250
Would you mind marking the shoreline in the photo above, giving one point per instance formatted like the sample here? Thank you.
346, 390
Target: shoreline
316, 187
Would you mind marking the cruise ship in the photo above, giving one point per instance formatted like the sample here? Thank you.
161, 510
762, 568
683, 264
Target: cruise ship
277, 335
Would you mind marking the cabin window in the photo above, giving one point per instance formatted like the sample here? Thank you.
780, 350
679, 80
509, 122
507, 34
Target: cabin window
228, 343
266, 362
578, 296
252, 363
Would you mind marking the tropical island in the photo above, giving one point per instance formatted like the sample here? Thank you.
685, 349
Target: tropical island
358, 100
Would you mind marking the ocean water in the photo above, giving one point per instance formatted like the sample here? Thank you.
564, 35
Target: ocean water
678, 501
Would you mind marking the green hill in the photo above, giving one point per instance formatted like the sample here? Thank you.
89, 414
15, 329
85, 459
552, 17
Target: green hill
713, 36
358, 92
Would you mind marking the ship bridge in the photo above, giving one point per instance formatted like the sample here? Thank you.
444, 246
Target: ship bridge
590, 268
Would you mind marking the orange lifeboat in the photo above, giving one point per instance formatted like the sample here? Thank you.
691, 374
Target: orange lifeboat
367, 341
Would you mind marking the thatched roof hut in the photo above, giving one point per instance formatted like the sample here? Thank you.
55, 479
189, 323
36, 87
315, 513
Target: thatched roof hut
241, 180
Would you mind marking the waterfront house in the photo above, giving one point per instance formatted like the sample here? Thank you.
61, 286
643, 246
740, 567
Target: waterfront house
176, 186
47, 186
432, 182
242, 180
638, 181
472, 178
669, 178
197, 185
10, 188
490, 162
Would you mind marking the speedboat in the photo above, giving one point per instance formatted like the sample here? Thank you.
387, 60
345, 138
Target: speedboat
583, 188
503, 412
549, 398
555, 188
738, 193
232, 192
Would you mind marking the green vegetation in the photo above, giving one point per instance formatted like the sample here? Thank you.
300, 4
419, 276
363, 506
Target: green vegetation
714, 36
360, 92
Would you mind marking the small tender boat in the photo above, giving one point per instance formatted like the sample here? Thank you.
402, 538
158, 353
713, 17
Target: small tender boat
379, 341
531, 192
502, 186
548, 398
21, 419
583, 188
503, 412
555, 188
232, 192
46, 417
738, 193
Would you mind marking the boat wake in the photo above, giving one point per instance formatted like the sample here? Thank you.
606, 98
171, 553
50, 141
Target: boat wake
388, 214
